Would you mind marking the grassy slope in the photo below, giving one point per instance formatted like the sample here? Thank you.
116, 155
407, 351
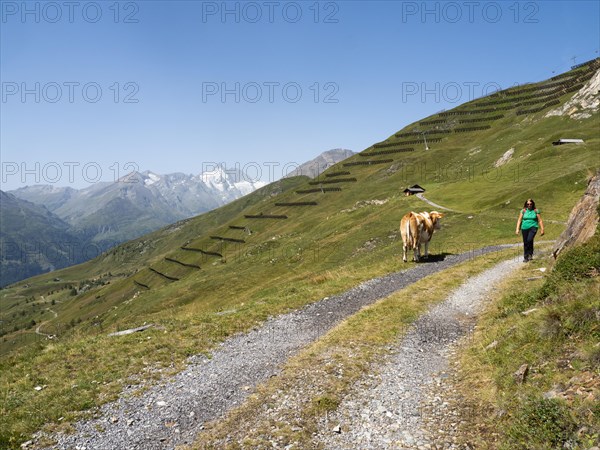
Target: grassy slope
319, 250
557, 405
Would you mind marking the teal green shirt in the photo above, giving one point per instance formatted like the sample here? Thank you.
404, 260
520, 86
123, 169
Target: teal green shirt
530, 219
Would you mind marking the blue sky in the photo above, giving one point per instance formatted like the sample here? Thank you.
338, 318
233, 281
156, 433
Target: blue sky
93, 89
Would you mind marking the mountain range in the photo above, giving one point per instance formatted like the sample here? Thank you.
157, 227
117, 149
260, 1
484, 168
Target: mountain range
91, 220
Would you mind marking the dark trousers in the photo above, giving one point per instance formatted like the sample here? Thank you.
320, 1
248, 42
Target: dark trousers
528, 236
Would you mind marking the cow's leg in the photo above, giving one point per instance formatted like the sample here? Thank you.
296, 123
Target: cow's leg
427, 249
404, 247
417, 252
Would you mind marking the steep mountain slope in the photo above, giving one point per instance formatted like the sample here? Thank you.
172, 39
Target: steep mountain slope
298, 240
33, 240
106, 214
138, 203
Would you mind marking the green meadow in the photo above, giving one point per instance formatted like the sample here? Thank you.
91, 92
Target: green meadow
203, 279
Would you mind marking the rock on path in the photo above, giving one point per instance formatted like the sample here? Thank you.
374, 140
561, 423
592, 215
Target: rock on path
387, 411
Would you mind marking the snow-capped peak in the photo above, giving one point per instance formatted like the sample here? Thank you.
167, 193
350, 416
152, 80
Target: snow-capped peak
150, 178
216, 178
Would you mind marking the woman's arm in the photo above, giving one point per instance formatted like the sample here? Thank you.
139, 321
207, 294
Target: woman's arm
539, 218
519, 223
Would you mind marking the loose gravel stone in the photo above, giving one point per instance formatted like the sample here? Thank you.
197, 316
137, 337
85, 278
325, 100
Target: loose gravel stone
173, 412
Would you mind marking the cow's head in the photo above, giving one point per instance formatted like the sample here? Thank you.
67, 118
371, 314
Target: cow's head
435, 219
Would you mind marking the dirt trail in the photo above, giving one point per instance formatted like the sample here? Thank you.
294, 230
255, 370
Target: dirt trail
38, 328
172, 413
387, 411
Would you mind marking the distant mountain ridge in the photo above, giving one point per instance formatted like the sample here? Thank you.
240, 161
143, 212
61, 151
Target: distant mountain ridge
106, 214
138, 202
321, 163
46, 227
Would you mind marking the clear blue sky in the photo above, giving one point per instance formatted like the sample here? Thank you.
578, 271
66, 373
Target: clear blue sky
92, 86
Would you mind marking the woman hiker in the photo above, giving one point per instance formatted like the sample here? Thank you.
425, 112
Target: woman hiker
528, 223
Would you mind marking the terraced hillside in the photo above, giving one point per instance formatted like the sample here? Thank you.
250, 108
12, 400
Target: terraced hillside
285, 245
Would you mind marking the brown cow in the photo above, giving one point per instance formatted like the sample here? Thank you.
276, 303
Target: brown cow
417, 229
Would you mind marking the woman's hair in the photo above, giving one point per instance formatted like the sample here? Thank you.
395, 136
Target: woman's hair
527, 201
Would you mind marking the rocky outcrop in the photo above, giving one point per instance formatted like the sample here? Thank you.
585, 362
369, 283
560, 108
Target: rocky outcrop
584, 103
506, 157
583, 220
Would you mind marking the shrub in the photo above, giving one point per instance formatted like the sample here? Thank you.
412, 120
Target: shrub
579, 262
594, 359
325, 403
542, 423
575, 264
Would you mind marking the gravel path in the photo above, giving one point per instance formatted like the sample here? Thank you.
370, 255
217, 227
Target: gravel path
391, 409
435, 205
172, 413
